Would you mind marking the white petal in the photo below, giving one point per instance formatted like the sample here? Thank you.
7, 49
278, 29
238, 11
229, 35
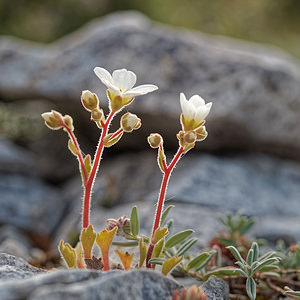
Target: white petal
197, 101
141, 90
203, 112
124, 79
103, 74
183, 104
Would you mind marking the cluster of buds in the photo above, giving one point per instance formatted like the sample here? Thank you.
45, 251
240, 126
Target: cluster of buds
194, 111
90, 102
122, 224
55, 121
190, 293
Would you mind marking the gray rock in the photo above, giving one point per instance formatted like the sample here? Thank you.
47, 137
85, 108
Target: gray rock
13, 268
29, 203
255, 88
26, 201
14, 242
136, 284
14, 159
216, 289
201, 187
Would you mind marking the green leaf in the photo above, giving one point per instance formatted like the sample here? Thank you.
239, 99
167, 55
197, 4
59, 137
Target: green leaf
143, 252
178, 238
72, 148
251, 288
134, 222
269, 261
87, 164
235, 252
267, 255
198, 260
271, 274
255, 249
126, 244
170, 264
109, 140
186, 246
158, 248
170, 225
165, 214
269, 268
250, 257
211, 255
226, 271
156, 261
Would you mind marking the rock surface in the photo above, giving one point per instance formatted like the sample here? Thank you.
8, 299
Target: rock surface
12, 268
202, 187
26, 201
255, 89
86, 284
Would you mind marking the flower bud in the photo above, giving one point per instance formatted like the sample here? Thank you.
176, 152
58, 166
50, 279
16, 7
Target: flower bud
154, 140
89, 100
201, 133
130, 122
189, 137
53, 120
68, 121
97, 115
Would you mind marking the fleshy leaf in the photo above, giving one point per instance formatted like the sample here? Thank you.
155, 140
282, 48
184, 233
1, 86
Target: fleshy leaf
165, 214
178, 238
134, 222
143, 252
186, 246
104, 240
156, 261
109, 140
125, 258
87, 238
158, 248
68, 253
126, 244
198, 260
87, 164
159, 234
72, 148
170, 264
78, 250
251, 288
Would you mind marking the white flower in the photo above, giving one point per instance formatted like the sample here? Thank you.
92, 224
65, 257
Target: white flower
194, 111
120, 85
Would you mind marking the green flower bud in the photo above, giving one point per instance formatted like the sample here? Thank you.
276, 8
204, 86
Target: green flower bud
97, 115
89, 100
68, 121
53, 120
154, 140
130, 122
189, 137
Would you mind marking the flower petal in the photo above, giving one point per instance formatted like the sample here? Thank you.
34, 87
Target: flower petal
203, 112
197, 101
103, 74
124, 79
141, 90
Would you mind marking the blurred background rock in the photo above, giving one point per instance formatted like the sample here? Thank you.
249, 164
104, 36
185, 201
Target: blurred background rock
250, 160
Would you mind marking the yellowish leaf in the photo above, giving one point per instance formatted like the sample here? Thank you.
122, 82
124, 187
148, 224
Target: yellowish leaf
125, 258
87, 238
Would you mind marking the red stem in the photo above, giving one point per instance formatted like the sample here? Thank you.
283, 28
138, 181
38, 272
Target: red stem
105, 260
116, 133
161, 200
79, 155
91, 179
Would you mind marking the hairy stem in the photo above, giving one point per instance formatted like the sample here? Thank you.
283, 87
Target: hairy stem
79, 155
90, 181
161, 200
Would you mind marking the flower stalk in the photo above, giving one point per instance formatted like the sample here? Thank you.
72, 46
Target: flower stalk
161, 199
96, 163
